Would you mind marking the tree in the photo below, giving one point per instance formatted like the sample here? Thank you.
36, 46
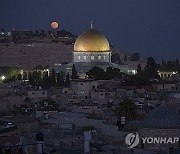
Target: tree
35, 78
27, 99
127, 108
139, 68
151, 68
67, 81
177, 64
74, 73
42, 34
96, 73
31, 78
50, 102
45, 80
52, 78
112, 73
2, 30
163, 63
9, 72
169, 65
60, 79
125, 57
14, 37
36, 33
42, 31
135, 57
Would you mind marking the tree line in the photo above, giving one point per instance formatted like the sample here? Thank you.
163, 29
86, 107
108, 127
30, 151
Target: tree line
48, 79
169, 66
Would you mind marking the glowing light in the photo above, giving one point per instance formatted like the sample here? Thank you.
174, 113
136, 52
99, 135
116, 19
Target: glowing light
134, 71
174, 73
92, 57
57, 64
3, 77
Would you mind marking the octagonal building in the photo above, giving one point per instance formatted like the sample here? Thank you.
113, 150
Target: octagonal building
91, 49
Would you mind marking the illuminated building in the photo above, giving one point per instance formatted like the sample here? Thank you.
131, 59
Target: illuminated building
91, 49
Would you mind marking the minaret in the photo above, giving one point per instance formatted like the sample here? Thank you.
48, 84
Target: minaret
163, 101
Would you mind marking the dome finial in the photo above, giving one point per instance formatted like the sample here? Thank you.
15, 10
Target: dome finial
91, 24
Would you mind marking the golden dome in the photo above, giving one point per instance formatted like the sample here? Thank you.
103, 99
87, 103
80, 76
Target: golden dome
91, 41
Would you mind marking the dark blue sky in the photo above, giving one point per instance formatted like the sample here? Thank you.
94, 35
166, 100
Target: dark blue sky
150, 27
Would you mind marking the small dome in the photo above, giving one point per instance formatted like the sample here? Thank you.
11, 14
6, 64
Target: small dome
162, 117
91, 41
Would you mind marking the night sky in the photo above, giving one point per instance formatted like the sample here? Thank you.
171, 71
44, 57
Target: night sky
150, 27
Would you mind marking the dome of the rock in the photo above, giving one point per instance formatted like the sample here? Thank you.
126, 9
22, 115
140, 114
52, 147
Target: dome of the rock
91, 41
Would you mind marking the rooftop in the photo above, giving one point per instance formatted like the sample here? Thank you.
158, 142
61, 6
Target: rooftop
162, 117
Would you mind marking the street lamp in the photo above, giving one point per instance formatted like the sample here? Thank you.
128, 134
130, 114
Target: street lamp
3, 77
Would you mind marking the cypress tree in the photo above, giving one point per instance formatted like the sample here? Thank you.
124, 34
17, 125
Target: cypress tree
67, 81
74, 73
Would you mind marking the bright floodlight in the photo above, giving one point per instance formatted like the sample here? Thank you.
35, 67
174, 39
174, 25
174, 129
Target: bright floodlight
3, 77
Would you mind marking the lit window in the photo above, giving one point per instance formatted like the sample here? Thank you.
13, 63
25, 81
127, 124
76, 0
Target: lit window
99, 57
92, 57
104, 57
85, 58
79, 57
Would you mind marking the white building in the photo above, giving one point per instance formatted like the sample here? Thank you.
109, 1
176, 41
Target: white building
37, 94
94, 89
83, 88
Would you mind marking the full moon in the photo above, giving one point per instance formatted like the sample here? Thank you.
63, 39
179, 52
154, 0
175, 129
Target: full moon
54, 25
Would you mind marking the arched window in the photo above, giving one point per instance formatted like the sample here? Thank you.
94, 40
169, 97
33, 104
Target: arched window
79, 57
92, 57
